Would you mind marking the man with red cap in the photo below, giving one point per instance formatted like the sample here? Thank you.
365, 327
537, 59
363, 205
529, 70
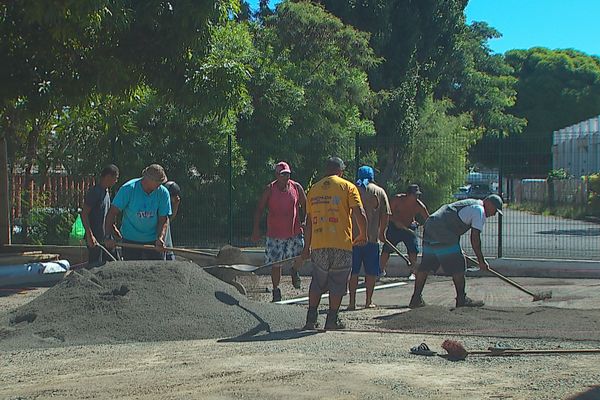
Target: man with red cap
285, 201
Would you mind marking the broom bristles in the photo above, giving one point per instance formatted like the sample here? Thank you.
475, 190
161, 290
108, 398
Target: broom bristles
455, 349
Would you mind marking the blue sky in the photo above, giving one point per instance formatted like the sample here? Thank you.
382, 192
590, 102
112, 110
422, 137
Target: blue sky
556, 24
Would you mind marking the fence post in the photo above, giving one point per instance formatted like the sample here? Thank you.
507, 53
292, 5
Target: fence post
500, 192
356, 153
4, 199
230, 168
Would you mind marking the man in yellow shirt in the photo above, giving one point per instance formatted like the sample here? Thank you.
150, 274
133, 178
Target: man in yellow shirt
331, 202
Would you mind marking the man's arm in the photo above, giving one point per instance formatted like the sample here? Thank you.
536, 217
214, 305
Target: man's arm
423, 211
260, 209
109, 224
161, 230
361, 219
302, 204
476, 244
85, 219
174, 206
307, 238
384, 219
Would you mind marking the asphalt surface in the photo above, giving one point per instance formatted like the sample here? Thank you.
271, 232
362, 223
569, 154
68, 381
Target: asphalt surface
583, 294
527, 235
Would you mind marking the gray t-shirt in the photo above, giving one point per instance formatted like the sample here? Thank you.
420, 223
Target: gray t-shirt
98, 200
376, 203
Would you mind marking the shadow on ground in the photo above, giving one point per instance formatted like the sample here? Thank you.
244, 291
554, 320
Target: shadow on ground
572, 232
592, 394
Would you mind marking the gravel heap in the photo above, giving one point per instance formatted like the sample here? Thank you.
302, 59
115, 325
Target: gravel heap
521, 322
141, 301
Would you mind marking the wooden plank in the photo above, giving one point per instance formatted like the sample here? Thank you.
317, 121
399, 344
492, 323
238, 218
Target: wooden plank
17, 259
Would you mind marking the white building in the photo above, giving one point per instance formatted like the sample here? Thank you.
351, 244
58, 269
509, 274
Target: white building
576, 148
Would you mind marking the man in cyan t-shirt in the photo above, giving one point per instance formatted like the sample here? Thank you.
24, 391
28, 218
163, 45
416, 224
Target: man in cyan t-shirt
146, 206
328, 240
441, 244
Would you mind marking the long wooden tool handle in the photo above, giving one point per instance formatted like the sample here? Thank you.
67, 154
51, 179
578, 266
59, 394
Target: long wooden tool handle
511, 282
173, 249
512, 352
271, 264
398, 252
504, 278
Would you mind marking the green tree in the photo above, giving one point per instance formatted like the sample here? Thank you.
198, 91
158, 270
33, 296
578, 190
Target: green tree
556, 88
310, 92
417, 40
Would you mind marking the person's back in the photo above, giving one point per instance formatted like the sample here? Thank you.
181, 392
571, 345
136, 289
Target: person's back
329, 204
375, 202
445, 225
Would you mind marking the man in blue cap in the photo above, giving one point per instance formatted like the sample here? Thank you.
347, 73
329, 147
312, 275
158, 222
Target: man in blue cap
377, 208
441, 244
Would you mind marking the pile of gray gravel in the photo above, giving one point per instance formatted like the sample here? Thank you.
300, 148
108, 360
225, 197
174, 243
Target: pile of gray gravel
141, 301
523, 322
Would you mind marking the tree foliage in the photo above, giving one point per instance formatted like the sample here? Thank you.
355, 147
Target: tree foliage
556, 88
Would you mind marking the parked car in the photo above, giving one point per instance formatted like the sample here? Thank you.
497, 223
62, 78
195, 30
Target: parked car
473, 191
463, 193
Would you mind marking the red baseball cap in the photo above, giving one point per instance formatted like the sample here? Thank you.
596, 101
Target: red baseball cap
282, 167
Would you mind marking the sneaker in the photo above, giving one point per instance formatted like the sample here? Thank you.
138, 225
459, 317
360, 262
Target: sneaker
416, 302
468, 302
296, 281
276, 295
412, 277
383, 274
333, 322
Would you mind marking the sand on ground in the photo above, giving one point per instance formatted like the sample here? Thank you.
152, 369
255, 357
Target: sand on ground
279, 361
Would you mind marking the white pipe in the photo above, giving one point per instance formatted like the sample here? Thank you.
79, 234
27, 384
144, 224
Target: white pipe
326, 295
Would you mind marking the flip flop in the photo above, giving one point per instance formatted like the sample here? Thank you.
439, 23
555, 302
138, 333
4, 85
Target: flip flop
371, 306
422, 350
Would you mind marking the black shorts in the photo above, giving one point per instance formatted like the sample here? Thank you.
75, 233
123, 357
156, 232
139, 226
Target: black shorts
449, 257
396, 235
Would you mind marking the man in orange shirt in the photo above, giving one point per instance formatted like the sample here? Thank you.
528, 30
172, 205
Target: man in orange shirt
328, 240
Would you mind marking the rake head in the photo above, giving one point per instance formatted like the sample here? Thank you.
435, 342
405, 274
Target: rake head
542, 296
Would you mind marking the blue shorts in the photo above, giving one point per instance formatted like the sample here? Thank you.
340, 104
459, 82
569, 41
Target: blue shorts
396, 235
368, 256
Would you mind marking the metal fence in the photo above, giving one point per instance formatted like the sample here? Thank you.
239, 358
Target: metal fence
549, 213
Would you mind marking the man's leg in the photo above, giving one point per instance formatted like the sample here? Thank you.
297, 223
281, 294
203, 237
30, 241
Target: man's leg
455, 264
371, 263
421, 278
459, 284
385, 257
353, 285
318, 286
95, 258
357, 261
275, 276
339, 275
370, 284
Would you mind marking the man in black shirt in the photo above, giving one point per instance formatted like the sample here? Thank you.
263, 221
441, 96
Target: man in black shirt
93, 215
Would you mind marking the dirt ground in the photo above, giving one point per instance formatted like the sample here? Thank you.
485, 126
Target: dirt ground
299, 365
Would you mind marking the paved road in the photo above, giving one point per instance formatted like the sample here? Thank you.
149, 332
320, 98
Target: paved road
537, 236
566, 293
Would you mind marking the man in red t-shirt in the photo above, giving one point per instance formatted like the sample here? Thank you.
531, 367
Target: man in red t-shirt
285, 201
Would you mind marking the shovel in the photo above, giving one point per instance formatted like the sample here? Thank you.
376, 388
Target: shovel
173, 249
237, 267
536, 296
399, 253
251, 268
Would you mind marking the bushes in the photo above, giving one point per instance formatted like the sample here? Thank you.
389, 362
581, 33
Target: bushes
47, 226
593, 182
